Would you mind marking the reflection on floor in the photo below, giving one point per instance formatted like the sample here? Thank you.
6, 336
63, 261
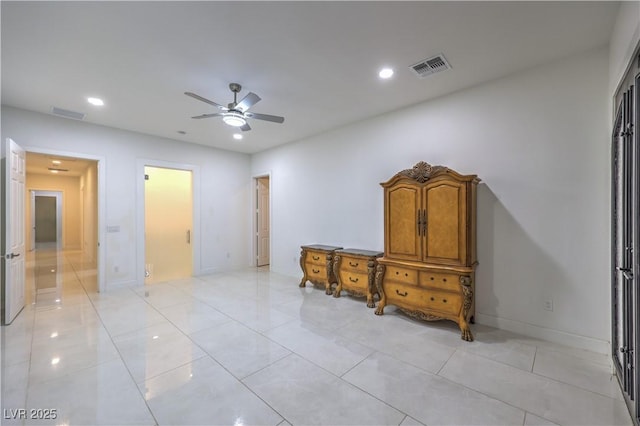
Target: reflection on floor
251, 347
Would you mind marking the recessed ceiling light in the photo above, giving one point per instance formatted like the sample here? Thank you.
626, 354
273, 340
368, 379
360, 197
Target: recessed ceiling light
237, 136
385, 73
95, 101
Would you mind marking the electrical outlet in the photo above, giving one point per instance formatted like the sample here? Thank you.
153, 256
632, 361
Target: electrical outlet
548, 305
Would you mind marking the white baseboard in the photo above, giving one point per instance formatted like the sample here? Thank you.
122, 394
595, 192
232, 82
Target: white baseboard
112, 285
548, 334
206, 271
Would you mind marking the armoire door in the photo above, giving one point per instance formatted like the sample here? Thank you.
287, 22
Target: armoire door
403, 207
446, 228
625, 245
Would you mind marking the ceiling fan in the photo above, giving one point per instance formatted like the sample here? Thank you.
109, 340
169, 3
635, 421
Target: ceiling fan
235, 114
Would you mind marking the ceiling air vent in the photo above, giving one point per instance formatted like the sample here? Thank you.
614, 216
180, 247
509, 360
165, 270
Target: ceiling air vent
430, 66
67, 114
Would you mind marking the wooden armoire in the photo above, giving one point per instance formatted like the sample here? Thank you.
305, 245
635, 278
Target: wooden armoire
429, 245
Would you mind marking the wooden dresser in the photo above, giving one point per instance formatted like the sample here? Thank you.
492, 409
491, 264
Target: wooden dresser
354, 270
316, 261
429, 245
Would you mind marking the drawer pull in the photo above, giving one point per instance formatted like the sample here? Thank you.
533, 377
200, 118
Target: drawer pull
353, 280
431, 278
432, 299
315, 271
353, 265
316, 257
444, 280
444, 300
401, 294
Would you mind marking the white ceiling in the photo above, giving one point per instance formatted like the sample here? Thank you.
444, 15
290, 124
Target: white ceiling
65, 166
315, 63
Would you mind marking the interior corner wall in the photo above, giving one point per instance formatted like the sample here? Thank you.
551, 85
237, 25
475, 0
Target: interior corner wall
538, 140
225, 187
624, 40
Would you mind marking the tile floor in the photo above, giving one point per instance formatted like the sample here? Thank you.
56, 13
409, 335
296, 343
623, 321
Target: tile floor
250, 347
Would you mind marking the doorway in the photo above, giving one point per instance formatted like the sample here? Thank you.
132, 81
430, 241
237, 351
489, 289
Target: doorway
46, 219
77, 181
263, 239
625, 238
168, 224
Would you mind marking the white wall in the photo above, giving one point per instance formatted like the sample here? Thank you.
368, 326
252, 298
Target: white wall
538, 140
225, 186
624, 40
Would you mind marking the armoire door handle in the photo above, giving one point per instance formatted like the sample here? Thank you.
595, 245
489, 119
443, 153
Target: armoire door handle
424, 223
626, 272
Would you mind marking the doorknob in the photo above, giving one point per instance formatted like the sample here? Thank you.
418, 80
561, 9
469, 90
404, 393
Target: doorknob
12, 255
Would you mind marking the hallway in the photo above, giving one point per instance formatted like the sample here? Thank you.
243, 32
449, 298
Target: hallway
251, 347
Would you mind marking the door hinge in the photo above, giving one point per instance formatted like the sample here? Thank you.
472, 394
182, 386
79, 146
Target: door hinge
628, 131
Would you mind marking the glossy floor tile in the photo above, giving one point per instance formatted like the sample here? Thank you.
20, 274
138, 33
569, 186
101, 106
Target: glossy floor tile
250, 347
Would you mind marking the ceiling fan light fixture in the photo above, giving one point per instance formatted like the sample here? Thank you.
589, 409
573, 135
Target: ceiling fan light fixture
234, 119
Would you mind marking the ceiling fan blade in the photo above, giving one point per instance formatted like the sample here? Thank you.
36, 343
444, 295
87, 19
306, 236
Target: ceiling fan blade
205, 100
246, 127
216, 114
248, 101
266, 117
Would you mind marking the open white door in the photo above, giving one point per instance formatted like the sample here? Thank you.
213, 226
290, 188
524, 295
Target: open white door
14, 249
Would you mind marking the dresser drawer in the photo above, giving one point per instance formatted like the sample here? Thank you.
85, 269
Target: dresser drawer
440, 301
354, 264
403, 275
412, 297
440, 280
316, 272
316, 258
354, 280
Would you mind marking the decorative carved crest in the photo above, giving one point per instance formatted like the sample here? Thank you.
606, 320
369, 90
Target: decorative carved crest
422, 171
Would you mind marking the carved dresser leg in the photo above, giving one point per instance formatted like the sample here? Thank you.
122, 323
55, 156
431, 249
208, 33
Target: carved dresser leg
304, 271
371, 271
383, 299
330, 276
336, 270
467, 292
